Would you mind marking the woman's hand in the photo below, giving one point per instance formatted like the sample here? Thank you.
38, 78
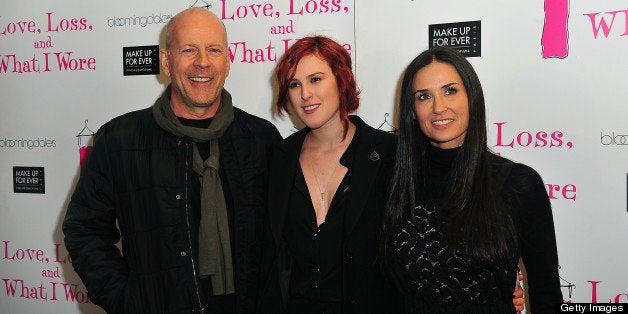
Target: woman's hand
517, 296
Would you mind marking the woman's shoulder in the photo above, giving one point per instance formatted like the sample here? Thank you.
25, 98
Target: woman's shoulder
291, 143
372, 134
295, 138
515, 174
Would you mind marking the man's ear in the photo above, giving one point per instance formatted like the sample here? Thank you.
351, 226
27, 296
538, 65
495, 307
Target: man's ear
163, 59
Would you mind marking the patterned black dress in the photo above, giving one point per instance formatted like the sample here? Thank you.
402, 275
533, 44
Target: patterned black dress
436, 279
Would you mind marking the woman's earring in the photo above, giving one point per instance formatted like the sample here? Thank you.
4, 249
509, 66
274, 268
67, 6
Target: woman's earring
413, 115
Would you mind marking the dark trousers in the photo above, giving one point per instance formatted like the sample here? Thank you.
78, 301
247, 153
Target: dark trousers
304, 306
219, 304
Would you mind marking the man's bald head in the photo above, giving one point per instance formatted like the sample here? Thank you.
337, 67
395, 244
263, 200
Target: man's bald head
192, 13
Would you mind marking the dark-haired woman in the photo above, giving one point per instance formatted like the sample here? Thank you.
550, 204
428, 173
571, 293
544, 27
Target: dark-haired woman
459, 217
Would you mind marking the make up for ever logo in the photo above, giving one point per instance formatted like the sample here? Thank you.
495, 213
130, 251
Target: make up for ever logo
555, 38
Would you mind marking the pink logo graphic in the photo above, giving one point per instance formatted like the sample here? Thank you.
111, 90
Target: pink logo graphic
83, 153
84, 150
555, 34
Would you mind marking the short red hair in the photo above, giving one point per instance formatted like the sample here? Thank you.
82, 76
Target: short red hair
339, 61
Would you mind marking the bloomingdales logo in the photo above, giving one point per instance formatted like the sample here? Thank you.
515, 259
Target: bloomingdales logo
141, 21
27, 143
613, 139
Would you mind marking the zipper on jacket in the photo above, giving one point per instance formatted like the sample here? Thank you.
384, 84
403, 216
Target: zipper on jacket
187, 219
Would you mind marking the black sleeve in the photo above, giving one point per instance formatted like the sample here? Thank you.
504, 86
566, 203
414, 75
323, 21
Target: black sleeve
537, 239
268, 136
91, 233
270, 295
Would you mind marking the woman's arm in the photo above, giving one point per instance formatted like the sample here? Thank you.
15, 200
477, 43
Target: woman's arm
537, 239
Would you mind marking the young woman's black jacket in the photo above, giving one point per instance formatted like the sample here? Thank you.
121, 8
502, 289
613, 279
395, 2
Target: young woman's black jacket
364, 289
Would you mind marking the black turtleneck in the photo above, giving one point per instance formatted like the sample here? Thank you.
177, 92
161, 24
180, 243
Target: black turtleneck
440, 162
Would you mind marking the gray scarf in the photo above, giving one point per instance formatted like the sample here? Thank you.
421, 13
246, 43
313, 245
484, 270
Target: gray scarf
214, 244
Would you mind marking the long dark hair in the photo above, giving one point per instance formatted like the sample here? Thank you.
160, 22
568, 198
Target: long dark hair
473, 215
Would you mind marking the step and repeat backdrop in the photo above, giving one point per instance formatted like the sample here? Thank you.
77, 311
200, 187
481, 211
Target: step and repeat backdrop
553, 72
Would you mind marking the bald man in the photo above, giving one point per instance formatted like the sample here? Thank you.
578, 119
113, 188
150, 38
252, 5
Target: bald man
182, 184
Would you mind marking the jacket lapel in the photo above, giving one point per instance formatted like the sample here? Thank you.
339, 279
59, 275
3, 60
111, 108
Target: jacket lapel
366, 165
